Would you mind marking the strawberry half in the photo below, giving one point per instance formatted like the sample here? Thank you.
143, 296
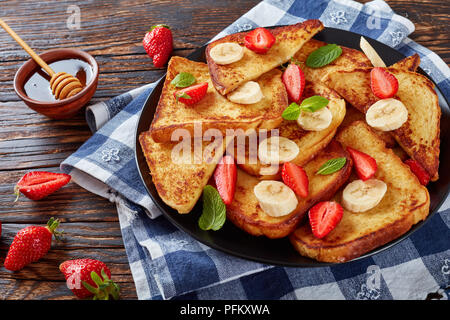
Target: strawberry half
419, 171
89, 277
36, 185
384, 84
191, 95
294, 81
30, 244
324, 217
259, 40
365, 165
158, 43
225, 177
295, 178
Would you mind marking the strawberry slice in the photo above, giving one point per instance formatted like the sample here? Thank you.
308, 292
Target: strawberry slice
384, 84
365, 165
259, 40
295, 178
419, 171
36, 185
191, 95
225, 177
294, 81
324, 217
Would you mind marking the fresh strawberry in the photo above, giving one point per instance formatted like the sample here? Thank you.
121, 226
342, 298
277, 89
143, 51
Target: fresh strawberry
30, 244
158, 43
295, 178
36, 185
191, 95
324, 217
259, 40
365, 165
294, 81
384, 84
225, 177
419, 171
89, 277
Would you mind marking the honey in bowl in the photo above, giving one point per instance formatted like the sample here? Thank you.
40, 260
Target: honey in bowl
37, 87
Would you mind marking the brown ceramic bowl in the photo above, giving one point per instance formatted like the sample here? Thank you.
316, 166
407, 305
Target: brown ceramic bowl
60, 109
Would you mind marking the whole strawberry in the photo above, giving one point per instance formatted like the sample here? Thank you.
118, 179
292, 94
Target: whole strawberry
36, 185
30, 244
89, 277
158, 43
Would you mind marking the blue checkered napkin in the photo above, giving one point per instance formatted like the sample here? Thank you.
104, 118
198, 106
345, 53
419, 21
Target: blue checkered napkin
166, 263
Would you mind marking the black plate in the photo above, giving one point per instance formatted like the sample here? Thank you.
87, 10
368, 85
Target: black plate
236, 242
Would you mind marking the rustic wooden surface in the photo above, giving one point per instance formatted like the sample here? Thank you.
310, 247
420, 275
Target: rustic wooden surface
111, 31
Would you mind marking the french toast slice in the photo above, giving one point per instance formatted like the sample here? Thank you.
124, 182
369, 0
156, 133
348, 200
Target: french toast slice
410, 63
405, 203
214, 110
309, 142
289, 39
349, 59
419, 136
246, 213
179, 178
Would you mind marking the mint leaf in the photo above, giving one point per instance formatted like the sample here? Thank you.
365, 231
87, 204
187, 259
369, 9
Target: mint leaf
292, 112
183, 80
323, 56
314, 103
214, 210
331, 166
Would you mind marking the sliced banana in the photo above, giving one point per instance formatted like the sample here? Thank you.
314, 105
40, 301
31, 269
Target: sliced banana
371, 53
226, 53
315, 121
387, 114
360, 196
275, 198
277, 149
248, 93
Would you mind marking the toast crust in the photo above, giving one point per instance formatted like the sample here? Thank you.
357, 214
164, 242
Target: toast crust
289, 40
405, 203
246, 213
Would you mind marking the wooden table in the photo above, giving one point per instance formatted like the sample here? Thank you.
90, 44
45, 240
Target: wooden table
112, 31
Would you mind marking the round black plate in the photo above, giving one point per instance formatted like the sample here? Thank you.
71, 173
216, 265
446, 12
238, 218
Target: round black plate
236, 242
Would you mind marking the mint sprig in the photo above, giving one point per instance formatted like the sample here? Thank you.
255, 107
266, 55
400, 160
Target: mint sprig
331, 166
214, 211
311, 104
323, 56
183, 80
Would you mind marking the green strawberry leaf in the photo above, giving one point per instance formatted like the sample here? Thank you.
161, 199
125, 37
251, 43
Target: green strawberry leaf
183, 80
313, 104
292, 112
323, 56
214, 210
331, 166
183, 95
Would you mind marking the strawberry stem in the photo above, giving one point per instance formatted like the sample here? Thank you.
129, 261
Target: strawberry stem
52, 224
105, 287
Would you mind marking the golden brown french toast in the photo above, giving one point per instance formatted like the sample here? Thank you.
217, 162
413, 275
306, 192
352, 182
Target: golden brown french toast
214, 110
246, 213
419, 135
178, 178
405, 203
410, 63
289, 39
349, 59
309, 142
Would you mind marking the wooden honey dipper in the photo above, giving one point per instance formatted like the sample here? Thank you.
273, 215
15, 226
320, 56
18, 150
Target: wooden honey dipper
63, 85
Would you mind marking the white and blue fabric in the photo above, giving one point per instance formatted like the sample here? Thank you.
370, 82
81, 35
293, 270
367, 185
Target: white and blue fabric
166, 263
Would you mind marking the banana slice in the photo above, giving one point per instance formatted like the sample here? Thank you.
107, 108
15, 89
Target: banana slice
360, 196
315, 121
387, 114
371, 53
248, 93
277, 150
226, 53
275, 198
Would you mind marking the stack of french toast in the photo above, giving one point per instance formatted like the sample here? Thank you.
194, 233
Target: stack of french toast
302, 139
